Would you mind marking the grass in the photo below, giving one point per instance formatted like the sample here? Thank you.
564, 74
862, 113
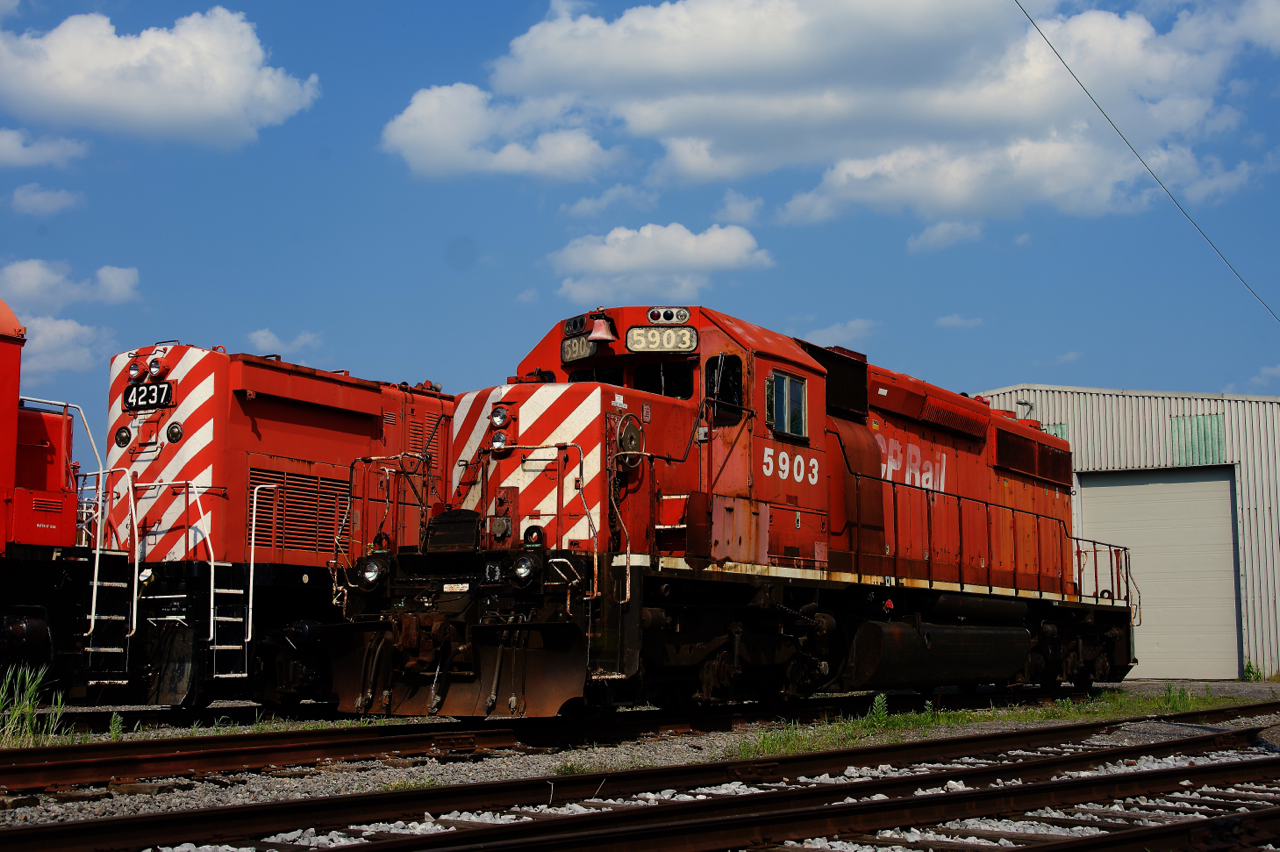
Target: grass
409, 784
21, 726
880, 724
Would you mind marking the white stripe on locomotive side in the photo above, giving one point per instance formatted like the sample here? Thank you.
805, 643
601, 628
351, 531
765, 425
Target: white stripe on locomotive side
567, 430
186, 363
537, 404
468, 450
162, 498
460, 412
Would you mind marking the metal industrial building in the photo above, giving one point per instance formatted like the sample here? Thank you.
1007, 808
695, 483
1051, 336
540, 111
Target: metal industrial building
1189, 483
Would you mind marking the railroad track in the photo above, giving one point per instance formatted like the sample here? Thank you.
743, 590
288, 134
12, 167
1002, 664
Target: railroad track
855, 794
64, 767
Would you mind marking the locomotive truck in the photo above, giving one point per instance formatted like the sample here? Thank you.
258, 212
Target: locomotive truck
251, 496
669, 504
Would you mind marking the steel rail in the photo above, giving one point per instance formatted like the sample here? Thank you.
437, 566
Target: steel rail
902, 787
1234, 831
340, 811
760, 825
533, 731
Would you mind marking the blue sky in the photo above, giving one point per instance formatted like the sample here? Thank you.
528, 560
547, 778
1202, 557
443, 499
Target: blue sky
419, 190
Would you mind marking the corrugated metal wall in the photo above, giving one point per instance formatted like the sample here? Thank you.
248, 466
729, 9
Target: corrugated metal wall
1127, 430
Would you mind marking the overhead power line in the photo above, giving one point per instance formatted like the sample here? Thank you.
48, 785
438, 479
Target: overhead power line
1181, 209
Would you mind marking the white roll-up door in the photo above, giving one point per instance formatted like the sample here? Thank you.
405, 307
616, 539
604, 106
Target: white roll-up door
1178, 523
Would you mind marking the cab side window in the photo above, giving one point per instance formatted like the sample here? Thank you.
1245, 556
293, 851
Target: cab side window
724, 384
784, 410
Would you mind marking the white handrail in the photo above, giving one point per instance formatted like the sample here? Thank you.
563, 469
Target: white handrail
133, 533
253, 545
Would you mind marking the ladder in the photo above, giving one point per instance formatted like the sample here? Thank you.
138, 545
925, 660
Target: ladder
110, 622
228, 623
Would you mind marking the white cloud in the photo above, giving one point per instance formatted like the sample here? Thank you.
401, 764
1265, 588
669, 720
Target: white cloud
8, 7
957, 321
1265, 375
205, 79
33, 200
587, 207
54, 345
942, 234
1022, 240
449, 130
265, 340
738, 208
663, 261
667, 248
952, 110
527, 297
1067, 358
41, 285
17, 150
841, 333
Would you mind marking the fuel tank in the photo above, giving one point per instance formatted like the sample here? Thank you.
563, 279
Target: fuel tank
902, 654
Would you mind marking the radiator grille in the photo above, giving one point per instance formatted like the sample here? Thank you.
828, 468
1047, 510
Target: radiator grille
952, 416
389, 417
305, 517
1016, 452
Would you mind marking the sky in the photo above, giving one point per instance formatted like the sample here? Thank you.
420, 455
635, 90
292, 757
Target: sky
419, 191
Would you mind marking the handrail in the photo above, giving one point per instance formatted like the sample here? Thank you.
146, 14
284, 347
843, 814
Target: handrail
97, 554
1119, 572
253, 545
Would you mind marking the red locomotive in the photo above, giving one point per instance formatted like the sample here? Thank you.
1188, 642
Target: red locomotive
251, 495
45, 555
669, 504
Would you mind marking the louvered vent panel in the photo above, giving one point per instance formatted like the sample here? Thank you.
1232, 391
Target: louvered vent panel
418, 433
305, 517
44, 505
389, 417
1016, 452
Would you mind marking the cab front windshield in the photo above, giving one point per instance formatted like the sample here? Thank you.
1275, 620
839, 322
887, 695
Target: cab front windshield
672, 378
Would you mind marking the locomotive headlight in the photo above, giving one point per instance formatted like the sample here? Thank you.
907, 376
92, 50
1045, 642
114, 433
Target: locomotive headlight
135, 369
498, 441
156, 367
373, 571
123, 437
523, 571
499, 417
174, 432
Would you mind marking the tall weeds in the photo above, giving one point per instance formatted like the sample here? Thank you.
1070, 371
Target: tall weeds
21, 725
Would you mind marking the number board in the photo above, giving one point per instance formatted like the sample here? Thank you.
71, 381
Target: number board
576, 348
154, 395
680, 338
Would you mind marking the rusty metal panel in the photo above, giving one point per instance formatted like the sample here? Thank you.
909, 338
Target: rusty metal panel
739, 530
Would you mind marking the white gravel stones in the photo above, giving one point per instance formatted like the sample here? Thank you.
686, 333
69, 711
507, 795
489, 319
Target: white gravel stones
732, 788
400, 827
483, 816
571, 809
191, 847
309, 837
1021, 827
917, 835
949, 787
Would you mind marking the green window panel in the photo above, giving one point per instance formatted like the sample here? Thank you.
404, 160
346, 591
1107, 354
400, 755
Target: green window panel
1198, 439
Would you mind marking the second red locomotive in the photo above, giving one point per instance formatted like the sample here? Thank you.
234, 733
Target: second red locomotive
670, 504
251, 496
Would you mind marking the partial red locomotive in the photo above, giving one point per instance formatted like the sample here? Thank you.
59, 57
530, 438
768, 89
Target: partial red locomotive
669, 504
45, 555
251, 496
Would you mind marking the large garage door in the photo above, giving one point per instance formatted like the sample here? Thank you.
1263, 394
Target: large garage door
1178, 524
